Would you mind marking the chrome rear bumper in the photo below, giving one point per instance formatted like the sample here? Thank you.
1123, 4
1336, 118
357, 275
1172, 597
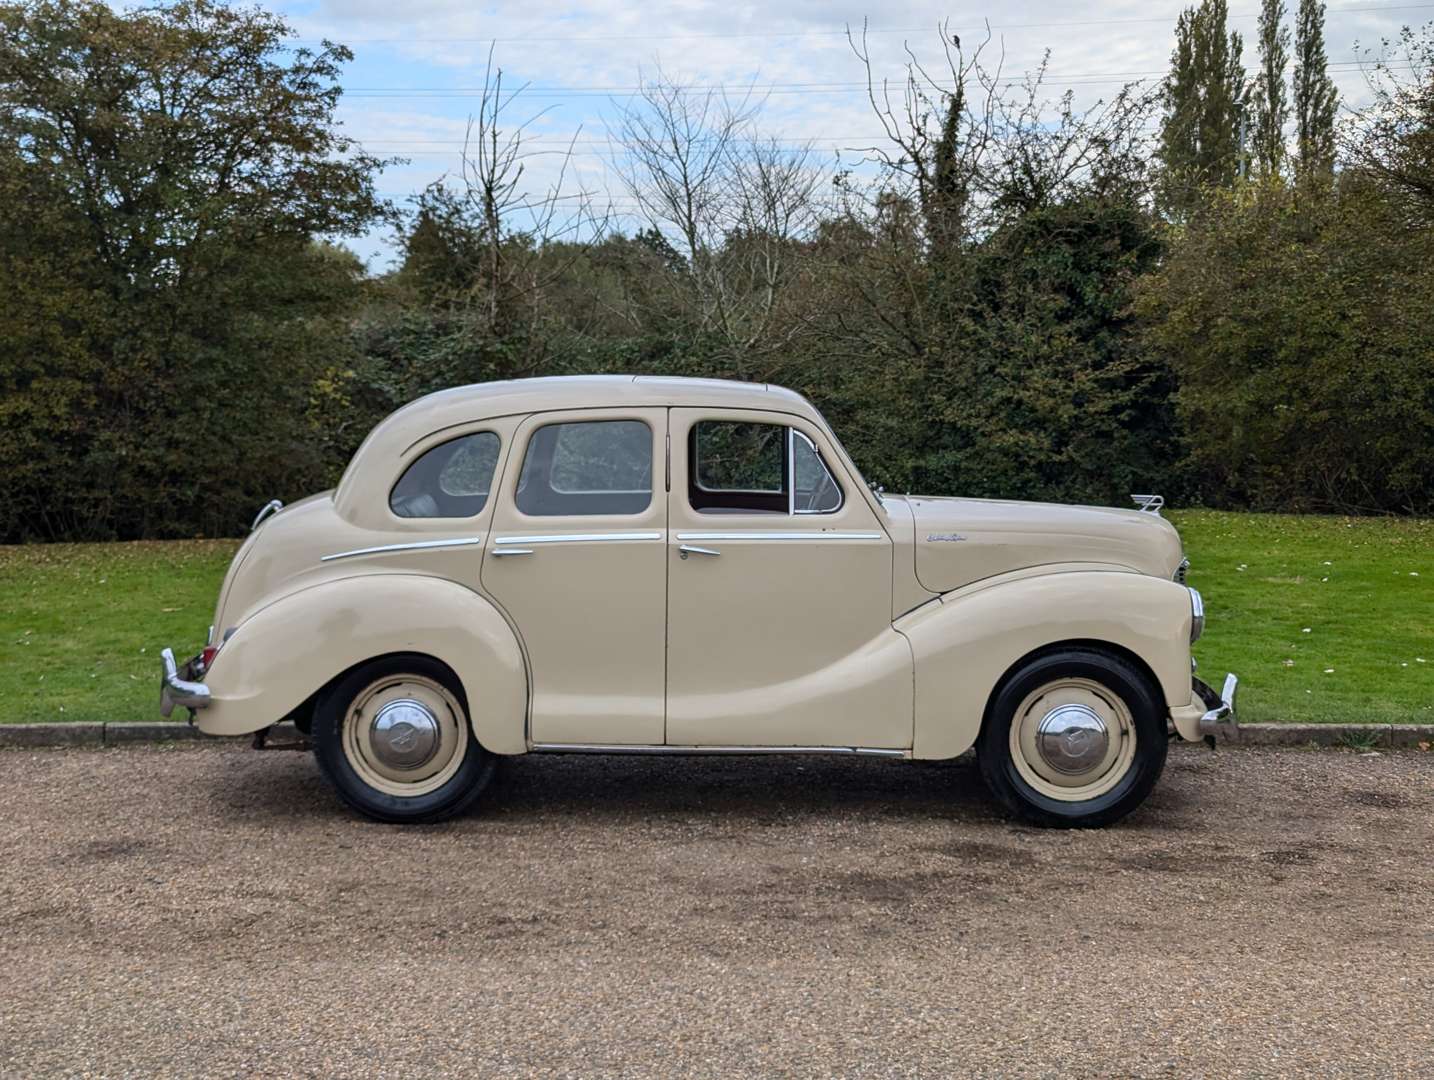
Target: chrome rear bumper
177, 687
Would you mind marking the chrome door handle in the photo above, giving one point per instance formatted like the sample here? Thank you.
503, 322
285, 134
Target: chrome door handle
685, 550
510, 551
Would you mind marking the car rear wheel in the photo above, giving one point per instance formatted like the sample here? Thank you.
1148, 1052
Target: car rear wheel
1075, 738
393, 738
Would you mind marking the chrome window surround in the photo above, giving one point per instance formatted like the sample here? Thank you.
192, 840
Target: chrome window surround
417, 545
792, 435
1197, 615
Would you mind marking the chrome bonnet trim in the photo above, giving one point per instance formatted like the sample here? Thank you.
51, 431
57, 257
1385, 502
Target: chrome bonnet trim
631, 748
813, 535
417, 545
578, 538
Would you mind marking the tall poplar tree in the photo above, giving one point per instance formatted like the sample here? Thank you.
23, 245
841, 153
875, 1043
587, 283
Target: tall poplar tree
1204, 98
1315, 95
1272, 103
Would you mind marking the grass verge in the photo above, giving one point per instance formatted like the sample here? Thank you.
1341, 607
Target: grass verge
1325, 619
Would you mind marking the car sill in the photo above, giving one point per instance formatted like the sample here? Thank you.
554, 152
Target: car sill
638, 748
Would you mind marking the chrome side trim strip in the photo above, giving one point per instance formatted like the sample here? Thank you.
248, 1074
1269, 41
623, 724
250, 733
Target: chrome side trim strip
813, 535
578, 538
629, 748
417, 545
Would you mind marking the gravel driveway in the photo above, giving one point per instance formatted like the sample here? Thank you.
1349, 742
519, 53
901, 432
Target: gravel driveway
214, 910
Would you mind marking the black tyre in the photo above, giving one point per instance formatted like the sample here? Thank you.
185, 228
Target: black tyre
393, 738
1074, 738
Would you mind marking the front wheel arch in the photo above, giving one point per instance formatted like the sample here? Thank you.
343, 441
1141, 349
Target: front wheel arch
1015, 759
1092, 645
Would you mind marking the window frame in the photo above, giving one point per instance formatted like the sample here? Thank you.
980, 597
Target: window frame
793, 433
488, 497
736, 500
531, 438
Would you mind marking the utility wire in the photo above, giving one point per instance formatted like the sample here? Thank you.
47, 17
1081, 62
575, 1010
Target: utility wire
1050, 78
515, 39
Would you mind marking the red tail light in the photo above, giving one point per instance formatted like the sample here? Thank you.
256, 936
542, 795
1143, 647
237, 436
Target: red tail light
207, 656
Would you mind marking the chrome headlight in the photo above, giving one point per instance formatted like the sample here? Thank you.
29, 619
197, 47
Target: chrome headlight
1197, 615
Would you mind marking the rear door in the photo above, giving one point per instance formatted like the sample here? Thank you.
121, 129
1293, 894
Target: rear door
577, 559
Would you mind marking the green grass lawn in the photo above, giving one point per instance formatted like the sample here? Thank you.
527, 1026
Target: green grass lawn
81, 625
1323, 618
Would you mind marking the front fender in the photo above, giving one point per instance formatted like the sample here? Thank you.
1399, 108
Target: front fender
284, 652
966, 641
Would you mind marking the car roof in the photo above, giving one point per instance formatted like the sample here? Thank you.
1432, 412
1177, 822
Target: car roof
484, 401
480, 401
462, 405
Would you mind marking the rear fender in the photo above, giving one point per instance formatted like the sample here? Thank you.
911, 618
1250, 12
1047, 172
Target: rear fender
286, 651
966, 642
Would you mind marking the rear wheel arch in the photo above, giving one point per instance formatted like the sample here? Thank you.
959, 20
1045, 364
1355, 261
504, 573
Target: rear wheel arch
393, 736
282, 657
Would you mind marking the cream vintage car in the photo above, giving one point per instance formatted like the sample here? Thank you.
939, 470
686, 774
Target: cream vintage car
657, 565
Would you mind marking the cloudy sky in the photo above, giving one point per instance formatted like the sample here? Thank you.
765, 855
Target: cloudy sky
410, 88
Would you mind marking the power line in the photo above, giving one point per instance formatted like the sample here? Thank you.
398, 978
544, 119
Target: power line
1089, 78
773, 34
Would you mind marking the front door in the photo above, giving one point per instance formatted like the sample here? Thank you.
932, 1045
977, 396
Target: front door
577, 559
779, 580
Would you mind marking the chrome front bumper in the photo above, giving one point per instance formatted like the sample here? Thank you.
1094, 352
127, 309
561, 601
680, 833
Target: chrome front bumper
1221, 709
1208, 714
178, 686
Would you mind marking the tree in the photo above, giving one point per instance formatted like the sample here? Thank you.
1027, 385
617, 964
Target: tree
1392, 139
737, 209
1272, 103
1204, 97
1315, 97
1305, 361
168, 170
938, 135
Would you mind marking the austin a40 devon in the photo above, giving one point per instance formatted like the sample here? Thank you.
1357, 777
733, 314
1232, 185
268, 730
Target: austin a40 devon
649, 565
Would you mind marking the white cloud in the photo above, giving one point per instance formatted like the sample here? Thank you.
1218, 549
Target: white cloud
792, 52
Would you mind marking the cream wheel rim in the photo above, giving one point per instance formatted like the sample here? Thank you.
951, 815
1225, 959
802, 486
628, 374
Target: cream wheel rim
1072, 739
405, 735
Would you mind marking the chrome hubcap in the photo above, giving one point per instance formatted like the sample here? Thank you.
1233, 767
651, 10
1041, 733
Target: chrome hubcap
404, 734
1072, 739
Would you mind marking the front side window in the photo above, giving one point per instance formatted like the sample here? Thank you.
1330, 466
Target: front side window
736, 466
745, 467
587, 467
449, 481
815, 491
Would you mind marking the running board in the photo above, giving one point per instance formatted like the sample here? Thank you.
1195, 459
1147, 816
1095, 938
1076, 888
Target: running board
634, 748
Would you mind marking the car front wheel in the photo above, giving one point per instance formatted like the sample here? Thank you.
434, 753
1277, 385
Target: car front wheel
393, 738
1075, 737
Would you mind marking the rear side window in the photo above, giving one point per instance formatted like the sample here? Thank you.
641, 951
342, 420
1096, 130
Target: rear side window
587, 467
450, 481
